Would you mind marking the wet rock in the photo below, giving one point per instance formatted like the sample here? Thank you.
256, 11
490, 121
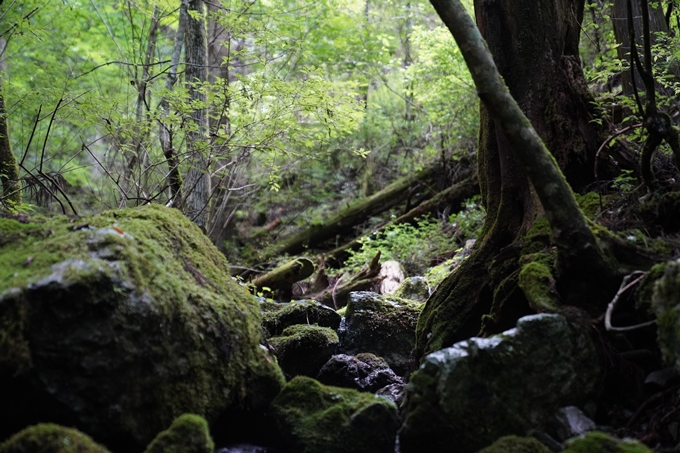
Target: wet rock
246, 448
413, 288
393, 392
598, 442
465, 397
666, 306
515, 444
50, 438
314, 418
364, 372
382, 325
277, 316
571, 422
120, 323
303, 349
189, 433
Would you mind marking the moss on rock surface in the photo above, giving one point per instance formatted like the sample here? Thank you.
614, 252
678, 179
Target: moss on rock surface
121, 322
50, 438
189, 433
465, 397
382, 325
598, 442
303, 349
314, 418
514, 444
278, 316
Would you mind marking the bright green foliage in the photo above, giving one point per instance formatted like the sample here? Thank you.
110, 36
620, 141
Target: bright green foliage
188, 433
51, 438
414, 246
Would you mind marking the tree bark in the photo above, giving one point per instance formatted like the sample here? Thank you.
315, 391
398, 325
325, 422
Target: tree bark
165, 135
536, 47
197, 187
9, 170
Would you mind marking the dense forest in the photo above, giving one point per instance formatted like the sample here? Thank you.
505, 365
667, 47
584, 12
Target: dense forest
238, 221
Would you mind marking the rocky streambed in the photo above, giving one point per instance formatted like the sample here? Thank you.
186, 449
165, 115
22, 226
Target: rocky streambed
123, 332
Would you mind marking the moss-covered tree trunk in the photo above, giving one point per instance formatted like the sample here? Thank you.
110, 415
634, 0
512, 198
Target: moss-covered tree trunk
9, 170
535, 47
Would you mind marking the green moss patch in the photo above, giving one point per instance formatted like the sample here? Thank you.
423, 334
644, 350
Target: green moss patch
314, 418
598, 442
189, 433
51, 438
515, 444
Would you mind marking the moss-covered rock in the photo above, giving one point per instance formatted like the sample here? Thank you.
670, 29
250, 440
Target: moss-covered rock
515, 444
277, 316
465, 397
598, 442
666, 306
122, 321
413, 288
314, 418
303, 349
382, 325
189, 433
51, 438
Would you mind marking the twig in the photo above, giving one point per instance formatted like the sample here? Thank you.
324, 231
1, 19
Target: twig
625, 285
609, 139
335, 305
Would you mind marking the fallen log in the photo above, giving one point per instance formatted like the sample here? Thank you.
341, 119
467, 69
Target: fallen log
453, 196
336, 296
282, 277
350, 216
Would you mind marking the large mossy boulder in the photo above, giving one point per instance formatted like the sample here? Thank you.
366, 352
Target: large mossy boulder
51, 438
666, 306
314, 418
189, 433
120, 322
382, 325
465, 397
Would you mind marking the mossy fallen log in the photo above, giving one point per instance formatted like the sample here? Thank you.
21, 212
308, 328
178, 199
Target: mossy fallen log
354, 214
453, 196
283, 277
336, 295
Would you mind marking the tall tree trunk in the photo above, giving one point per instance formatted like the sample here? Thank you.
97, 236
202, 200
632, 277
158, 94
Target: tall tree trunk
197, 185
9, 170
535, 47
657, 23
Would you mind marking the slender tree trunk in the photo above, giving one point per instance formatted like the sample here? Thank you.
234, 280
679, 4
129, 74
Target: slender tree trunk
9, 170
535, 46
197, 185
164, 133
